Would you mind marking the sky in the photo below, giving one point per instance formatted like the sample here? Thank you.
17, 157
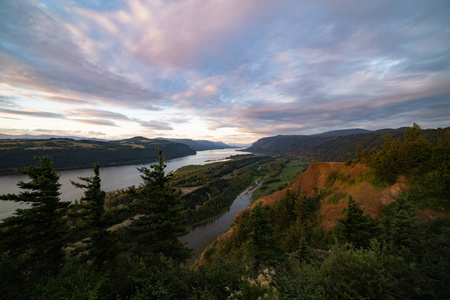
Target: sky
222, 70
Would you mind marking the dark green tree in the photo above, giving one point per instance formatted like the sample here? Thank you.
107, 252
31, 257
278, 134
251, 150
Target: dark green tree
101, 243
386, 162
416, 151
93, 200
304, 252
264, 245
403, 229
356, 228
33, 240
161, 221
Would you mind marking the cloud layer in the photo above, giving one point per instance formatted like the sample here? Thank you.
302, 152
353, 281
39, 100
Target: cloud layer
234, 70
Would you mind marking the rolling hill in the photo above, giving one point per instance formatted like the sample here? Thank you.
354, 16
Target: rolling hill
74, 154
334, 145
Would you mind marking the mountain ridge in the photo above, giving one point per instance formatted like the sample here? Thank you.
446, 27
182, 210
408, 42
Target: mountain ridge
332, 146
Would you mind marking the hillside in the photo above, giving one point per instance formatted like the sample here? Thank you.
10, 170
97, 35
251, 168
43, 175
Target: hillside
332, 146
73, 154
332, 183
199, 145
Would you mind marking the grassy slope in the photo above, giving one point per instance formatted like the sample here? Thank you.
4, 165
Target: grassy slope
289, 172
338, 181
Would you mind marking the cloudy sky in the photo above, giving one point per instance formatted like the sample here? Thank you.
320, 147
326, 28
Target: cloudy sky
227, 70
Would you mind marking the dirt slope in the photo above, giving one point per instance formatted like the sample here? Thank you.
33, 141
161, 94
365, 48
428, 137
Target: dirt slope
351, 180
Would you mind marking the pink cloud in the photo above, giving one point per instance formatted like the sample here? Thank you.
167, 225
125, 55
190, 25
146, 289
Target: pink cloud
182, 32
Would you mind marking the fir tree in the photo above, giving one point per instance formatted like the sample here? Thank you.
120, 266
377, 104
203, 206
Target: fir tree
264, 245
416, 151
161, 222
404, 230
356, 228
101, 245
304, 252
34, 238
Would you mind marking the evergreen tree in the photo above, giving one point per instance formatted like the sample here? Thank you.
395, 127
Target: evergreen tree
34, 238
161, 222
101, 245
385, 162
304, 252
416, 151
404, 227
356, 228
264, 246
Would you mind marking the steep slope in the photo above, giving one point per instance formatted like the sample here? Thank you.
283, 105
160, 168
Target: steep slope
335, 182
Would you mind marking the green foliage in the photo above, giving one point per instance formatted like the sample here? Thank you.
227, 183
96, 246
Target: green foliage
71, 154
216, 196
304, 252
411, 262
356, 228
191, 176
34, 237
101, 244
160, 222
264, 245
425, 163
94, 198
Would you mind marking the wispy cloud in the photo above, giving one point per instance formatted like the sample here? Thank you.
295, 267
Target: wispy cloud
156, 125
247, 68
31, 113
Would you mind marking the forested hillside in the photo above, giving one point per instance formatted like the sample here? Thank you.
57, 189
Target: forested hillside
332, 146
375, 227
75, 154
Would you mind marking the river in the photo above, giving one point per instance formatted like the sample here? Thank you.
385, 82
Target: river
201, 233
114, 178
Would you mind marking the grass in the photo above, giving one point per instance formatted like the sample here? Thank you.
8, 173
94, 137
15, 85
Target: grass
289, 173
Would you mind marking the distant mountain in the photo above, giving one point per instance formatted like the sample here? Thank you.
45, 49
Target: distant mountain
73, 154
44, 137
199, 145
332, 146
344, 132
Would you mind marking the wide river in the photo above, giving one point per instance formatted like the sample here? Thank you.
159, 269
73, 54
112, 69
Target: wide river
114, 178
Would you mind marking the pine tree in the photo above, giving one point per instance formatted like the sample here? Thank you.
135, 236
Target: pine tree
264, 246
404, 230
101, 245
356, 228
416, 151
386, 162
304, 252
34, 238
161, 222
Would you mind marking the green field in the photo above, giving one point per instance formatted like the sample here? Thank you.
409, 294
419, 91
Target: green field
290, 171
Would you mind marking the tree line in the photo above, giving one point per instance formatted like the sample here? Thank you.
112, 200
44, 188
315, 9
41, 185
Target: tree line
36, 255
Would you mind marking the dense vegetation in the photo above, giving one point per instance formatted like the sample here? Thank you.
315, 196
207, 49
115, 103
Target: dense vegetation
332, 147
425, 163
271, 252
73, 154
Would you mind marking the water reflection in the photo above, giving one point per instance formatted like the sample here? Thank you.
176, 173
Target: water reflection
203, 232
113, 178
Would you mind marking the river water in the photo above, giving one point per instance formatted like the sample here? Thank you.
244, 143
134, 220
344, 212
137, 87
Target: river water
114, 178
203, 232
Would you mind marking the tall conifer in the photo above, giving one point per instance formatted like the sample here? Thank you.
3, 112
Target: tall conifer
34, 238
161, 221
101, 245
